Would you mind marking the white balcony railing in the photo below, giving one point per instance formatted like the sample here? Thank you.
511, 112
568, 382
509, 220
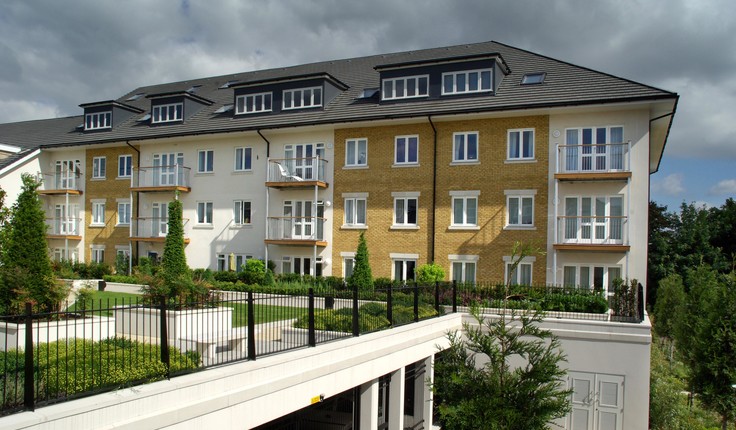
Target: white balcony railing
610, 157
60, 180
296, 228
63, 226
151, 227
164, 177
599, 230
296, 169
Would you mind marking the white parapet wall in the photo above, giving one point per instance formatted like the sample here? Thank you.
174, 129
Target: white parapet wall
12, 335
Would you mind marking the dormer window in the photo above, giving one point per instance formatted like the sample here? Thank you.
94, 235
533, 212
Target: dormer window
253, 103
98, 120
167, 113
302, 98
405, 87
470, 81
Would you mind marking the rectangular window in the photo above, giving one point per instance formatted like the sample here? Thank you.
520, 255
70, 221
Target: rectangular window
233, 262
471, 81
348, 264
204, 213
598, 277
98, 255
405, 211
356, 152
303, 98
253, 103
404, 269
242, 212
465, 211
520, 210
595, 149
406, 150
243, 159
593, 219
99, 167
206, 162
405, 87
98, 120
463, 271
522, 275
98, 213
125, 166
123, 213
465, 147
355, 212
167, 113
521, 144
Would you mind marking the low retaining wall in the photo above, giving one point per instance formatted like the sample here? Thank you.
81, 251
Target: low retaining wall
95, 328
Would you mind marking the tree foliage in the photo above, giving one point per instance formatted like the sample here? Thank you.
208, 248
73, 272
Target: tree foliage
174, 261
361, 277
430, 273
26, 267
477, 387
669, 306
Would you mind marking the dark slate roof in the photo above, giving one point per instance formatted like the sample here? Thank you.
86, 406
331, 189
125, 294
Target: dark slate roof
565, 85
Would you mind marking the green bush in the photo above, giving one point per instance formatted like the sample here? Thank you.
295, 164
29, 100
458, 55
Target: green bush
254, 272
226, 276
123, 279
430, 273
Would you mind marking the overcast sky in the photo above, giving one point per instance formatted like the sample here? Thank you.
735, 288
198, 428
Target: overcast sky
56, 54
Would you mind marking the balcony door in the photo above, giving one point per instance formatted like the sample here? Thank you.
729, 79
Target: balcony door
300, 221
594, 219
160, 219
65, 174
302, 161
165, 171
65, 218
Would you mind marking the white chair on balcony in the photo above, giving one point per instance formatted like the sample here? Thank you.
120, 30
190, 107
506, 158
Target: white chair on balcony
285, 173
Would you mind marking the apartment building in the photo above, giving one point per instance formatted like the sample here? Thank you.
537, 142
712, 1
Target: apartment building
447, 155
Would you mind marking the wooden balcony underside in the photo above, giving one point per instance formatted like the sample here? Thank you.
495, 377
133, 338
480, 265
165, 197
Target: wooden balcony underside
59, 192
64, 236
297, 184
160, 189
593, 176
296, 242
157, 239
587, 247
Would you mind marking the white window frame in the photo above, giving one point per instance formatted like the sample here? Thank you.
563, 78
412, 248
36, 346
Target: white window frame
356, 159
122, 249
223, 261
97, 253
407, 151
464, 261
348, 260
206, 161
98, 120
124, 209
60, 254
352, 210
519, 195
467, 89
593, 220
464, 197
405, 197
163, 113
125, 165
389, 87
606, 152
98, 213
404, 259
305, 101
243, 157
247, 103
465, 145
526, 262
99, 167
239, 212
205, 213
520, 133
607, 280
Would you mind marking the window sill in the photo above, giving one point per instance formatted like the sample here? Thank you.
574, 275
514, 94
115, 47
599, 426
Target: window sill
97, 179
353, 227
402, 165
463, 227
96, 225
204, 173
520, 160
520, 227
243, 172
240, 226
122, 225
203, 227
465, 163
122, 178
356, 167
404, 227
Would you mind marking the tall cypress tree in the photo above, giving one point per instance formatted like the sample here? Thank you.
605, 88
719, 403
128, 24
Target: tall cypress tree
174, 262
27, 271
362, 277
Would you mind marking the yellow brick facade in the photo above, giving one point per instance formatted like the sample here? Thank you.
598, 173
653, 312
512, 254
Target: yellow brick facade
491, 177
111, 189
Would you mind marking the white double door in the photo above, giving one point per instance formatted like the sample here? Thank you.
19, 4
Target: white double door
301, 220
597, 401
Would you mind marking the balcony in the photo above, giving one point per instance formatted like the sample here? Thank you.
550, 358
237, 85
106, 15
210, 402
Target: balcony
307, 231
296, 173
151, 229
611, 161
161, 178
61, 182
64, 228
592, 233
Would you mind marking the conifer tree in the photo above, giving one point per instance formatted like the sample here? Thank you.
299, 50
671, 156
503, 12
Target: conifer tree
174, 262
362, 277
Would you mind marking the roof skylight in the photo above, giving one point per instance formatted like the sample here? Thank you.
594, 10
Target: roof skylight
134, 97
533, 78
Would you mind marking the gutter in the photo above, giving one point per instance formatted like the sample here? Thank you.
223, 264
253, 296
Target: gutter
434, 194
268, 195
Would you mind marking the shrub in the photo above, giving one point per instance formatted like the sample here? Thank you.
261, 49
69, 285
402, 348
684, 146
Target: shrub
145, 266
85, 297
226, 277
203, 275
361, 277
122, 264
123, 279
254, 272
430, 273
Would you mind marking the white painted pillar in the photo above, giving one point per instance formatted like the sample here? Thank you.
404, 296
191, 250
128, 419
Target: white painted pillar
427, 406
369, 405
396, 399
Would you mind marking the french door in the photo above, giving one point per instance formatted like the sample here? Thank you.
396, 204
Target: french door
160, 219
165, 172
302, 161
300, 221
